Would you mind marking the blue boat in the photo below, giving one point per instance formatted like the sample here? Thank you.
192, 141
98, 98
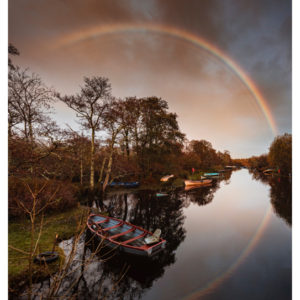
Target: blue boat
211, 174
162, 194
124, 236
124, 184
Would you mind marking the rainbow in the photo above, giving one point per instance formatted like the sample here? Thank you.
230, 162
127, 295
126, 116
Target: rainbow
98, 30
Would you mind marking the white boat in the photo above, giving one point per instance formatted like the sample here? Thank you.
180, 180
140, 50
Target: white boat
166, 178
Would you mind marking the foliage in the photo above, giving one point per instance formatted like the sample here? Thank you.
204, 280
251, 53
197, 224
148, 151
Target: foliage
200, 155
280, 153
279, 156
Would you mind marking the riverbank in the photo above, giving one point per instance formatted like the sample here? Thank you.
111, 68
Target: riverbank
64, 224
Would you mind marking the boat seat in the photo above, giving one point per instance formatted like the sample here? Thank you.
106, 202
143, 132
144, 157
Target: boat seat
120, 224
153, 238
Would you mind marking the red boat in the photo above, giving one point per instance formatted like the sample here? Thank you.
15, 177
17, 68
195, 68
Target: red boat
124, 236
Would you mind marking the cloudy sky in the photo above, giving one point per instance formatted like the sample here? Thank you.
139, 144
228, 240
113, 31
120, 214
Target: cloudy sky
132, 42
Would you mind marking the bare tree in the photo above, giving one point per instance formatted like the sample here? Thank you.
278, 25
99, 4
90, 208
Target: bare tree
28, 100
12, 50
90, 105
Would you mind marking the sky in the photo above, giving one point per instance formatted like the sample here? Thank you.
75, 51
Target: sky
199, 56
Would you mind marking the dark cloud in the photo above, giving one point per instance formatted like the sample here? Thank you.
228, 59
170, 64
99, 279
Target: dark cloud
210, 99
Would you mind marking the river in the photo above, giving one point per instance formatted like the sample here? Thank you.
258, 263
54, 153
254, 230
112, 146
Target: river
231, 240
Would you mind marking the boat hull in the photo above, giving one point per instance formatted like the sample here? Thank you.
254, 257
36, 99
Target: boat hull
124, 184
197, 182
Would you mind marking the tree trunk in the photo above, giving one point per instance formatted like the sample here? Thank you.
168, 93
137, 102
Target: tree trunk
126, 207
30, 130
25, 129
92, 181
127, 144
108, 169
10, 129
81, 169
102, 169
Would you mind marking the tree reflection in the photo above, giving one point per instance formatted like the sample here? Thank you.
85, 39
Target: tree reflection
260, 176
280, 193
121, 276
146, 210
137, 274
281, 198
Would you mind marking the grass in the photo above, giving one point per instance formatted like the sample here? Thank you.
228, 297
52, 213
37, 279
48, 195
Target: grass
65, 224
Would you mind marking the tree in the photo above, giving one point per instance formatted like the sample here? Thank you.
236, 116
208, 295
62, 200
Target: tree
113, 122
206, 153
90, 105
12, 50
280, 153
158, 136
28, 101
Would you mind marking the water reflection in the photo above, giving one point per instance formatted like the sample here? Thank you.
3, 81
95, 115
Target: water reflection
281, 198
207, 231
201, 195
123, 276
280, 193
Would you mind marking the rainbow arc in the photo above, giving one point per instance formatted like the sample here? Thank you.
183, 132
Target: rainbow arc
99, 30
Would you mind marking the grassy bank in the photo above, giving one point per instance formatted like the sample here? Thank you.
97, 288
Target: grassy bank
65, 224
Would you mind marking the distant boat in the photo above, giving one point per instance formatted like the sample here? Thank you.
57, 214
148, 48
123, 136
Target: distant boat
166, 178
197, 182
124, 184
269, 171
124, 236
162, 194
211, 174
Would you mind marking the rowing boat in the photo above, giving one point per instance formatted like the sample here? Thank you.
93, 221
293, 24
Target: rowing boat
124, 184
197, 182
162, 195
166, 178
124, 236
211, 174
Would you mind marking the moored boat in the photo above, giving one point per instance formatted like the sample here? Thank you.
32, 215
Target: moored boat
162, 194
269, 171
230, 167
166, 178
197, 182
124, 184
124, 236
211, 174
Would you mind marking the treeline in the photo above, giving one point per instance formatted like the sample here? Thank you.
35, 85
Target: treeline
278, 158
121, 139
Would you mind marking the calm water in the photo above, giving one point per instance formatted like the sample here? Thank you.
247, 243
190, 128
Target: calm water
228, 241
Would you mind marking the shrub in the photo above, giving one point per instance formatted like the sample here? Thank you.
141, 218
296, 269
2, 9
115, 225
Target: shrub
52, 194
